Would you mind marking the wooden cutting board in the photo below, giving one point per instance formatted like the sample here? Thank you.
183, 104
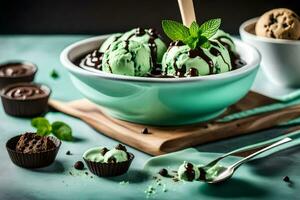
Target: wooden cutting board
161, 140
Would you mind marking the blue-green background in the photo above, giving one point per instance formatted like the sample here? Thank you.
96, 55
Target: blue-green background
260, 179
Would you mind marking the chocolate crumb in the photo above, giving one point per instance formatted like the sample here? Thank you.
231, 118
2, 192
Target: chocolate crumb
286, 179
79, 165
92, 177
121, 147
164, 172
145, 131
71, 173
103, 151
86, 173
68, 153
175, 179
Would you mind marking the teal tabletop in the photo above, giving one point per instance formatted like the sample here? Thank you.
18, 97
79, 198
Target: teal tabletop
62, 181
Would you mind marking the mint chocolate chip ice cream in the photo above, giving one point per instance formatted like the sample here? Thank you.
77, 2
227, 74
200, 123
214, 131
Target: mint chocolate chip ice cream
188, 172
150, 38
198, 50
225, 39
127, 57
182, 61
106, 44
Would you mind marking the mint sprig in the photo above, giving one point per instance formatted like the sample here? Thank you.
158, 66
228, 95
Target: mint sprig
62, 131
59, 129
175, 30
42, 125
195, 36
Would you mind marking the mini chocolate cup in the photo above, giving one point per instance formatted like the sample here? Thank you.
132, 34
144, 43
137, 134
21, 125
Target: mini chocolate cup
32, 160
27, 77
109, 169
31, 107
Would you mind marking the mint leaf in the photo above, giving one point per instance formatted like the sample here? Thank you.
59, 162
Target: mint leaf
203, 40
206, 44
210, 27
62, 131
42, 125
192, 42
194, 29
54, 74
175, 30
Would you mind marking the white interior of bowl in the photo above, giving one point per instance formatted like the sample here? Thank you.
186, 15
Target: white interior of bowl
248, 29
78, 49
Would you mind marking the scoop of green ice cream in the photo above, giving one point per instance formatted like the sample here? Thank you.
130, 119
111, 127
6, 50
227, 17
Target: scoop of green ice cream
127, 57
182, 61
150, 38
225, 39
188, 172
115, 156
94, 154
106, 44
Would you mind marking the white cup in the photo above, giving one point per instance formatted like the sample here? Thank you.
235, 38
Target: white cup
280, 58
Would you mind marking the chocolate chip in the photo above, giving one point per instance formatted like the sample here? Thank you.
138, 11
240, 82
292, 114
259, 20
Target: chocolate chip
79, 165
112, 160
86, 173
286, 179
121, 147
145, 131
153, 33
139, 31
202, 174
163, 172
68, 153
189, 166
103, 151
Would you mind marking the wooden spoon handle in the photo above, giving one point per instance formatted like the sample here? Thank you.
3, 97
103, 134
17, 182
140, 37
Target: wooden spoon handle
187, 11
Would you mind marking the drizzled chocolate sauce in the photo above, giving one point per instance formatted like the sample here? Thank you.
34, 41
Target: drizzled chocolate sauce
193, 53
236, 61
93, 60
25, 92
214, 51
153, 35
115, 39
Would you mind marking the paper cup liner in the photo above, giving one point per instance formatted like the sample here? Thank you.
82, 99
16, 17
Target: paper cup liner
32, 160
109, 169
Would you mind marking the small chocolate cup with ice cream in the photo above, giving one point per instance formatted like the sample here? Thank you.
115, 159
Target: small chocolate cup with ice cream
106, 163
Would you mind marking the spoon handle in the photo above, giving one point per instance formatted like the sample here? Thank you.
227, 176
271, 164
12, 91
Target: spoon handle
242, 161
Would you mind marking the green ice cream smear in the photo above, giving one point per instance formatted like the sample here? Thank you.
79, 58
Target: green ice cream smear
127, 57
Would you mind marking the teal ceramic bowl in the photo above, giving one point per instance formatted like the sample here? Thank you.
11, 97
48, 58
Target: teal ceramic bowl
161, 101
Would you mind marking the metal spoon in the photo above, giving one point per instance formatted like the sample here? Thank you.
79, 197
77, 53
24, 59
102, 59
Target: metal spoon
225, 173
